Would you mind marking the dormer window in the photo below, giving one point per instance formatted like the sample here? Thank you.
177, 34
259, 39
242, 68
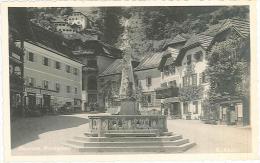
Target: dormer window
198, 56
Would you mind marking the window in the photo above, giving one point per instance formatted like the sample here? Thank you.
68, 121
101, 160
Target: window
45, 84
195, 107
188, 59
45, 61
148, 99
92, 83
173, 83
166, 70
31, 82
194, 79
148, 81
76, 90
75, 71
57, 65
57, 86
31, 57
198, 56
92, 63
203, 78
68, 89
67, 68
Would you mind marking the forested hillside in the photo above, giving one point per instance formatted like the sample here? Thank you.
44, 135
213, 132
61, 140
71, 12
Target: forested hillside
150, 27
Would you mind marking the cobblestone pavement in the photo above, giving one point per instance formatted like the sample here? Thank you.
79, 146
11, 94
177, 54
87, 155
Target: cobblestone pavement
45, 135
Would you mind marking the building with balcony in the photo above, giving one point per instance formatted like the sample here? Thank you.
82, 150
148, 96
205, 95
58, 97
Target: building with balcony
149, 78
170, 77
192, 63
183, 80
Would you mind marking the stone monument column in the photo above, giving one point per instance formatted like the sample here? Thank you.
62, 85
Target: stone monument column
127, 92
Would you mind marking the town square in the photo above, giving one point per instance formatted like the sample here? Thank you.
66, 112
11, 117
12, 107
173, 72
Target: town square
131, 80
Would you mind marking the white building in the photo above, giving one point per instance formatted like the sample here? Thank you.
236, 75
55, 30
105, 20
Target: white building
81, 20
183, 79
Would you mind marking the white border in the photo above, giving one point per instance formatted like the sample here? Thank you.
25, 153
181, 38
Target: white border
165, 157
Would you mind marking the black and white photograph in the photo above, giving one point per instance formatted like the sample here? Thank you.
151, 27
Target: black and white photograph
131, 80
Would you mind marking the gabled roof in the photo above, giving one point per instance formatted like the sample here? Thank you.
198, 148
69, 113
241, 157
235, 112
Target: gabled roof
196, 40
241, 26
150, 61
100, 47
113, 68
49, 39
177, 39
201, 39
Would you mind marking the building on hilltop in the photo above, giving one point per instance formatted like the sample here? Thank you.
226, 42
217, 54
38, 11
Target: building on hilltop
76, 24
81, 20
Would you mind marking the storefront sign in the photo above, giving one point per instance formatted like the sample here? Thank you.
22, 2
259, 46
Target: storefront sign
32, 90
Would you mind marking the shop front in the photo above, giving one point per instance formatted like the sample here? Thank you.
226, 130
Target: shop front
172, 108
232, 111
38, 101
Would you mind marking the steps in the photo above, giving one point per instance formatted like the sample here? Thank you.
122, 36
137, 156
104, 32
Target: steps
130, 141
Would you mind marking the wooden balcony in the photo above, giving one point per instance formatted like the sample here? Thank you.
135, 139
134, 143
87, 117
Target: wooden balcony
162, 93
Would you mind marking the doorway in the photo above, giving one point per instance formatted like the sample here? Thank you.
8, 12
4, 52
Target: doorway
46, 103
31, 101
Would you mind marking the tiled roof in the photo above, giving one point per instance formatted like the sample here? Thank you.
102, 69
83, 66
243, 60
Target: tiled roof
177, 39
114, 68
196, 40
241, 26
201, 39
150, 61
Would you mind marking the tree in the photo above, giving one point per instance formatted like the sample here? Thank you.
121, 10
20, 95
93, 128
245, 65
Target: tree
228, 69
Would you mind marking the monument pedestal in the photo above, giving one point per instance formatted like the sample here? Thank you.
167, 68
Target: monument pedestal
129, 133
129, 107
